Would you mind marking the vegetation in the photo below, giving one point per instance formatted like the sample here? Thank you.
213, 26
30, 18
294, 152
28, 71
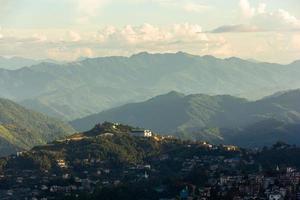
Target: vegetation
21, 128
113, 145
77, 89
217, 119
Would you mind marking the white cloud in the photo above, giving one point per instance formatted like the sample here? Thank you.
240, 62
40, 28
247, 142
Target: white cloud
261, 8
39, 37
126, 40
73, 36
65, 53
246, 8
295, 42
260, 19
131, 39
147, 33
276, 20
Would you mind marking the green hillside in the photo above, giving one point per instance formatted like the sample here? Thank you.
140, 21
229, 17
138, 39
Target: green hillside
263, 133
218, 119
112, 144
21, 128
169, 113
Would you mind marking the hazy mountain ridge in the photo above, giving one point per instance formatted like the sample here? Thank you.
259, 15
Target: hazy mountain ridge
21, 128
264, 133
221, 118
107, 82
15, 63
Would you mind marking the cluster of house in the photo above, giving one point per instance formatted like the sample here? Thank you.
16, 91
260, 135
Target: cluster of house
69, 182
220, 175
253, 186
225, 180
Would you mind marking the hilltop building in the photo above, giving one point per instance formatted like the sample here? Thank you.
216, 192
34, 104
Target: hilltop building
141, 133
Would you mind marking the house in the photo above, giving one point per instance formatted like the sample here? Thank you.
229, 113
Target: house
61, 163
230, 147
141, 133
275, 196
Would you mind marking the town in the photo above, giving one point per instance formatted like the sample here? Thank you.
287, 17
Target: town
169, 169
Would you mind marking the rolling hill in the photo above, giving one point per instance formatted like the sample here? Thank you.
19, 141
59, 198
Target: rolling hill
221, 119
21, 128
77, 89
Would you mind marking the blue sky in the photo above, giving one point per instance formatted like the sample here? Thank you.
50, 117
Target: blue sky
266, 30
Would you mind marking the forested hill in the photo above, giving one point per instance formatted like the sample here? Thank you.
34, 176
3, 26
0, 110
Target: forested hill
221, 118
21, 128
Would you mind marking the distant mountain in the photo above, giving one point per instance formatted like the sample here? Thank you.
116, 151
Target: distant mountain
21, 128
89, 86
213, 118
167, 113
263, 133
14, 63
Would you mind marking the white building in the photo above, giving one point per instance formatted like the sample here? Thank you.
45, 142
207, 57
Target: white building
141, 133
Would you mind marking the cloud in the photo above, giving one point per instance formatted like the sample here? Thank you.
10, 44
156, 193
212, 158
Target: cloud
66, 53
129, 39
111, 40
72, 36
261, 8
39, 37
276, 20
260, 19
246, 9
146, 33
236, 28
295, 42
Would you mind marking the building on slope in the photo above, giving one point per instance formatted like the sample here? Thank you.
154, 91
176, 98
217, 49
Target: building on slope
141, 133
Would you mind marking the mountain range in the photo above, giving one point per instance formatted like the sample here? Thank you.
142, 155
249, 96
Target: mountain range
218, 119
77, 89
21, 128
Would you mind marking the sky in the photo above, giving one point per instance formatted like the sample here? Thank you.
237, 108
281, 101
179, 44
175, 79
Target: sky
265, 30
